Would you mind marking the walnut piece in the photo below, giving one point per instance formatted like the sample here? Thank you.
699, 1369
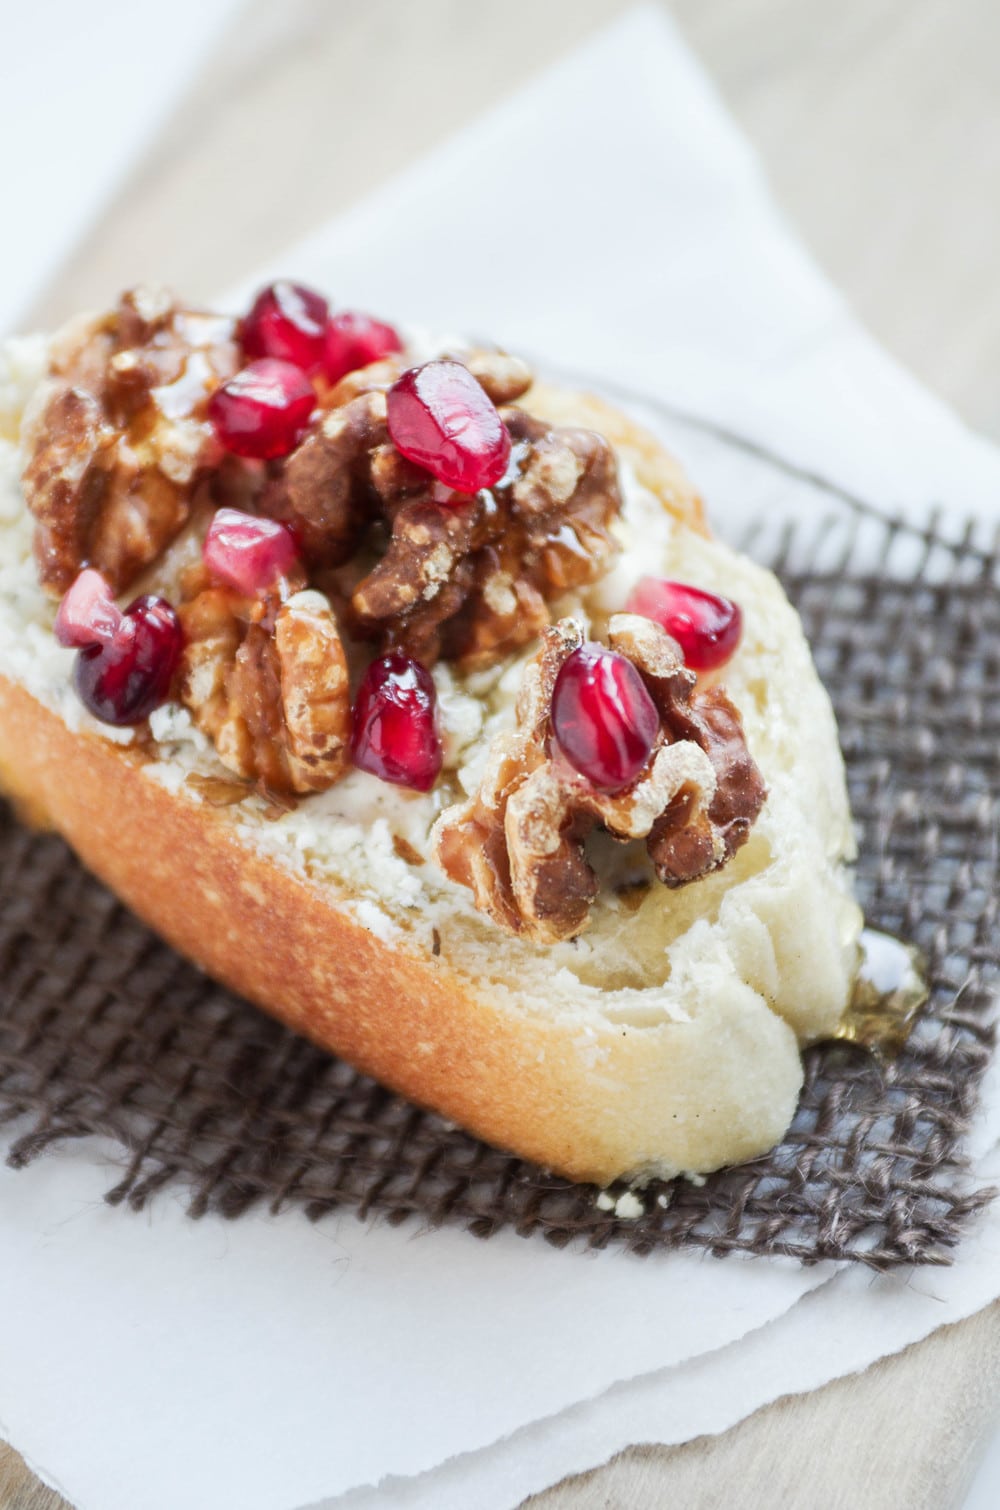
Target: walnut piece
119, 443
684, 844
505, 378
471, 581
518, 844
323, 490
377, 377
467, 578
267, 680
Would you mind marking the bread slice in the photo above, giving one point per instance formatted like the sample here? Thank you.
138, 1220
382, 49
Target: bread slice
665, 1039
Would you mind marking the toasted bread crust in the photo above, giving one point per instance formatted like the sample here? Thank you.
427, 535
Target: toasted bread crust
592, 1105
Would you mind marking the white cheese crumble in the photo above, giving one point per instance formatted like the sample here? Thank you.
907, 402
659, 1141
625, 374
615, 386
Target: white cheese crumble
627, 1207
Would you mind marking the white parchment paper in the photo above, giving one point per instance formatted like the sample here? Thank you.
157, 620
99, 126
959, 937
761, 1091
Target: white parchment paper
157, 1361
838, 1329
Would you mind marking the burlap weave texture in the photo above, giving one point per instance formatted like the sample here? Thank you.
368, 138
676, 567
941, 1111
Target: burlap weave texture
105, 1032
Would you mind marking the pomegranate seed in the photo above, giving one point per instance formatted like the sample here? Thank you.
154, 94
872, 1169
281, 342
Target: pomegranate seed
287, 321
248, 553
440, 418
604, 720
395, 723
354, 340
88, 614
263, 410
123, 679
706, 626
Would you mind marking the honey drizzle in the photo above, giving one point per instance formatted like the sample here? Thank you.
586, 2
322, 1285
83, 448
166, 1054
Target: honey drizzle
889, 990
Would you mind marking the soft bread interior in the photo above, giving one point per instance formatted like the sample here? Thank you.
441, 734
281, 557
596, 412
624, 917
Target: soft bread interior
714, 986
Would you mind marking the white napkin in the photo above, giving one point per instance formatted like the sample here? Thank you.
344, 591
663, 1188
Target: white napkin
83, 91
611, 219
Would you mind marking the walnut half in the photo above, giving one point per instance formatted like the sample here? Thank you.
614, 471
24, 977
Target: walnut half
518, 844
267, 680
469, 579
120, 441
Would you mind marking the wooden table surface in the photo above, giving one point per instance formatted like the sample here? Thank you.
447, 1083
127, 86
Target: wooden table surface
879, 125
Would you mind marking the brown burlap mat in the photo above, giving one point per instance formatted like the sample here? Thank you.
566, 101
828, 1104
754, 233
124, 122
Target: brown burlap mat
105, 1032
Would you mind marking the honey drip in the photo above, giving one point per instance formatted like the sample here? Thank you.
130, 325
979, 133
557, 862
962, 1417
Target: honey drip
889, 991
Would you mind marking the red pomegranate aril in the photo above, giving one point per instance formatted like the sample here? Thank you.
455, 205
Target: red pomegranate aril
395, 732
355, 340
124, 679
262, 412
88, 614
603, 719
249, 553
287, 321
440, 418
705, 625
